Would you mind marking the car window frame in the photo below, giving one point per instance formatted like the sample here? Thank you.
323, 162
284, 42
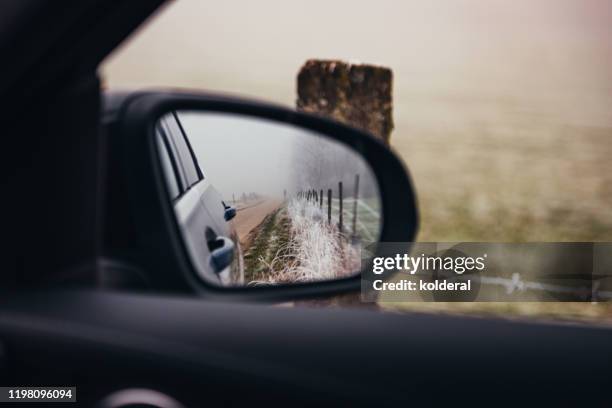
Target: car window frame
165, 144
188, 142
173, 149
183, 154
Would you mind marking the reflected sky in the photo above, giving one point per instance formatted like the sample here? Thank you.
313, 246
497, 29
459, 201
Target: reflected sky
242, 155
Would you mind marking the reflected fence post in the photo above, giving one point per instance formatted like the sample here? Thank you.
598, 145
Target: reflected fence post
355, 201
340, 204
315, 197
329, 205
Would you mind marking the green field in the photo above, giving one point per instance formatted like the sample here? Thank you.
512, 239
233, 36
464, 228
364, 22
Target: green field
368, 217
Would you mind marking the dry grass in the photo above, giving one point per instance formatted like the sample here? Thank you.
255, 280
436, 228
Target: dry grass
314, 250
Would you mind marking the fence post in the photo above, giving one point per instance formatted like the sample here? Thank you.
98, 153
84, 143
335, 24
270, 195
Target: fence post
359, 95
355, 201
329, 197
340, 198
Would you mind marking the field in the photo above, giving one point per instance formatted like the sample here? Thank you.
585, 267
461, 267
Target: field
514, 177
368, 217
529, 183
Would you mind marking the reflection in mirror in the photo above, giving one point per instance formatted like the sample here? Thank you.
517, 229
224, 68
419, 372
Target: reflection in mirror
261, 202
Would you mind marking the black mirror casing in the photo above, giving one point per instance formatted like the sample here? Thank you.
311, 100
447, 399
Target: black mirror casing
229, 214
158, 248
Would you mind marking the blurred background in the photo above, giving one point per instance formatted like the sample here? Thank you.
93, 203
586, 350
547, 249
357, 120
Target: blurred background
502, 108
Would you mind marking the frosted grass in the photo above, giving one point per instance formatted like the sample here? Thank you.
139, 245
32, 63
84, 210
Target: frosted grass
316, 250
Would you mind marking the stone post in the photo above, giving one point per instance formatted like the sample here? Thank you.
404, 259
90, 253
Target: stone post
359, 95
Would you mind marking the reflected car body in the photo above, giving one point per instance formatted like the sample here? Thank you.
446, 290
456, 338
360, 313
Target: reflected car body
203, 216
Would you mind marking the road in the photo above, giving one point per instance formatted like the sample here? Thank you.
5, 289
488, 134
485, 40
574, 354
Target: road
250, 217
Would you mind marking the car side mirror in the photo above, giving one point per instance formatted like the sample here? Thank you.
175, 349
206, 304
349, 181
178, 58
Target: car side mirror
310, 198
230, 213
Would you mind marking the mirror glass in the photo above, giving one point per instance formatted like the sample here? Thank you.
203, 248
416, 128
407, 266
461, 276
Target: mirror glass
261, 202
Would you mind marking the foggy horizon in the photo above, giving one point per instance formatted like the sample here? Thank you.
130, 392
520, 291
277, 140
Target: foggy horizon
462, 61
242, 155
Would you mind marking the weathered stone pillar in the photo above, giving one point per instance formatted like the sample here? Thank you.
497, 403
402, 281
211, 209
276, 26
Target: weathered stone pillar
359, 95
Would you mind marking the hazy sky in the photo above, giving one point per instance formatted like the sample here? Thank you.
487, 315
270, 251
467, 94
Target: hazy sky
454, 61
241, 155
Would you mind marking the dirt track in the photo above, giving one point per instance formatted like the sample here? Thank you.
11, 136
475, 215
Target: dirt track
250, 217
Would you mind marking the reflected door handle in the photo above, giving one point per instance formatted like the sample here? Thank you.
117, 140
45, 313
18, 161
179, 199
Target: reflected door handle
221, 253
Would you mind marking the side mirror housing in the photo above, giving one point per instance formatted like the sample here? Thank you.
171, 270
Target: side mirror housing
230, 212
146, 204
